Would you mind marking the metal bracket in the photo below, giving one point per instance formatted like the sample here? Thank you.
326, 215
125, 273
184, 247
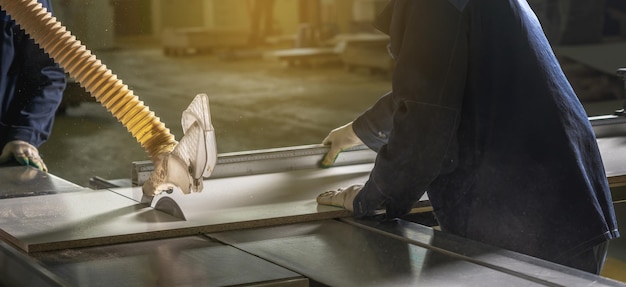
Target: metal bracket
622, 73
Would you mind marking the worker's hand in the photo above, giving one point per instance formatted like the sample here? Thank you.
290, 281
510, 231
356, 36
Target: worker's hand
372, 202
340, 198
366, 203
24, 153
339, 139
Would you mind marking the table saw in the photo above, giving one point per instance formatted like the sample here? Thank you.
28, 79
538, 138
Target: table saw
255, 224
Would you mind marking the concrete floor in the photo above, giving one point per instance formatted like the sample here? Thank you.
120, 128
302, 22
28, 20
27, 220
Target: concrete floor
256, 103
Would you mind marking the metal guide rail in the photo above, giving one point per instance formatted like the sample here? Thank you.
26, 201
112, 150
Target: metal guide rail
268, 161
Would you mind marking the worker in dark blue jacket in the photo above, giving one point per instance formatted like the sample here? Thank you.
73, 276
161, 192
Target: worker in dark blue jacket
31, 89
482, 118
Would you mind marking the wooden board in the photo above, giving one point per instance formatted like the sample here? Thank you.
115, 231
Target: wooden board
92, 218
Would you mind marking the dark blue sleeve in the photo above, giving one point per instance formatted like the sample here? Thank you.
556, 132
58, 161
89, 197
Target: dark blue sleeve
374, 125
429, 43
33, 88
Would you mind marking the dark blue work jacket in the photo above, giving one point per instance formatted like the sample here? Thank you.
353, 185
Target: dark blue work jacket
31, 86
482, 118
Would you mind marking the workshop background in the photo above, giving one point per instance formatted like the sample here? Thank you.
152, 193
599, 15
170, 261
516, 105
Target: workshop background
278, 72
167, 53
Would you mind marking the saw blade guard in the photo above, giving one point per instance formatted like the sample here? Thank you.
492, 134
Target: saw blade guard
198, 116
192, 159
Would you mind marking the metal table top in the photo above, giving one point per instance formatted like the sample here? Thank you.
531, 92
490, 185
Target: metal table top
349, 253
185, 261
330, 252
21, 181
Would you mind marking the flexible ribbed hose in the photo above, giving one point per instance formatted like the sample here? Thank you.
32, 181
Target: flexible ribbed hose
95, 77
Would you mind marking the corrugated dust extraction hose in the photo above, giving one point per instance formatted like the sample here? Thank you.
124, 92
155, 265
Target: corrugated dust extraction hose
94, 76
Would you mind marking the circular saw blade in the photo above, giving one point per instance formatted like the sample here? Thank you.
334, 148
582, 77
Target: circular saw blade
169, 206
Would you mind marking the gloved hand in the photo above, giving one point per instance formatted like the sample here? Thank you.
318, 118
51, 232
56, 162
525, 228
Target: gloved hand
371, 201
366, 203
24, 153
339, 139
340, 198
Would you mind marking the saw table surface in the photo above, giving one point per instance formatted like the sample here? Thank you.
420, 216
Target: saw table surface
322, 253
183, 261
348, 252
90, 218
613, 151
21, 181
261, 229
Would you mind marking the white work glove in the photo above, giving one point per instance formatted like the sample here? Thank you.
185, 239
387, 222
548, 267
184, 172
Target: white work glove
344, 197
339, 139
24, 153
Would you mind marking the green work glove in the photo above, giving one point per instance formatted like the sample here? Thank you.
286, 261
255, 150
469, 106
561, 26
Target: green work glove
339, 139
24, 153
